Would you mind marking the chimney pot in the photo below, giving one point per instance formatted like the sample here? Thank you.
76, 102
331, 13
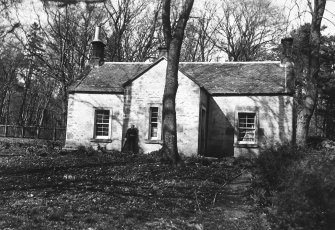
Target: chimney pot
98, 47
97, 34
162, 52
287, 61
287, 49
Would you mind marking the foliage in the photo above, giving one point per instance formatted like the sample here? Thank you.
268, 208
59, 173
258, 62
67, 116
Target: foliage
296, 187
273, 162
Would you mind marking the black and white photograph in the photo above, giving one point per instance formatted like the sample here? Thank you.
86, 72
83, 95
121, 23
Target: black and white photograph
167, 114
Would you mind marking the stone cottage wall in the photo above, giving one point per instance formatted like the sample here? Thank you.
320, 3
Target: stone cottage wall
81, 118
147, 91
275, 123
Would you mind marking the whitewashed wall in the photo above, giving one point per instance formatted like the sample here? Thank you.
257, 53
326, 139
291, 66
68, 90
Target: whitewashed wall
148, 90
81, 116
275, 123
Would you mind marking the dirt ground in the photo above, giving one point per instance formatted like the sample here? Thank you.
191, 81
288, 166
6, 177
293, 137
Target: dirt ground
50, 189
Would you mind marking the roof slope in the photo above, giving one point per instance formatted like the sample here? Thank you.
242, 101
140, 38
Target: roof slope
216, 78
238, 78
109, 77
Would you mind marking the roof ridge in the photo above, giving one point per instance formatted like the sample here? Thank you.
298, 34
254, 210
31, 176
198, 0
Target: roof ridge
252, 62
128, 63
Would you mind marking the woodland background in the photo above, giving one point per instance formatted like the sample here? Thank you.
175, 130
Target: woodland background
40, 58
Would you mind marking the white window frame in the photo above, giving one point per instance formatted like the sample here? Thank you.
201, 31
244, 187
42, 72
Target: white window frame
151, 122
246, 110
96, 124
159, 121
247, 126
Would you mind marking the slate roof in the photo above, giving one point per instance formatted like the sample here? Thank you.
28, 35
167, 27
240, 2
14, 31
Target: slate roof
217, 78
109, 77
238, 77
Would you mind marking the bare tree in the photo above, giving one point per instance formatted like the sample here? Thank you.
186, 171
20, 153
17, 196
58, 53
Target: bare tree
173, 34
140, 39
11, 59
198, 44
6, 27
131, 32
248, 28
68, 35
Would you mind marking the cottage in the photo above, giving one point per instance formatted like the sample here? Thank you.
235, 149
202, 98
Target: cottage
223, 109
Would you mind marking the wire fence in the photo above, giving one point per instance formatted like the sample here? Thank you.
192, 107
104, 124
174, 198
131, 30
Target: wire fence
46, 133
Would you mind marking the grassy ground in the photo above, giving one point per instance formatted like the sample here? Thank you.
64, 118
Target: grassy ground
48, 189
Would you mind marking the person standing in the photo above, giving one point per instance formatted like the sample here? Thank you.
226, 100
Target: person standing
131, 143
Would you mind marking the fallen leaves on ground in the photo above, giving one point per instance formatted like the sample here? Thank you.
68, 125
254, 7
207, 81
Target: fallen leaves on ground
118, 191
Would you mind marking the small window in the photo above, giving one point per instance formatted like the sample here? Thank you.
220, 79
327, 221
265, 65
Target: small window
247, 128
102, 123
153, 123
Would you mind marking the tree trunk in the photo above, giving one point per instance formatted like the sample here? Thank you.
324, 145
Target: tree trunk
64, 105
23, 107
173, 40
305, 115
309, 100
169, 107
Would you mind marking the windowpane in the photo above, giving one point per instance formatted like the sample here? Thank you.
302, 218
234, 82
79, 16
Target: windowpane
246, 127
102, 123
153, 122
154, 131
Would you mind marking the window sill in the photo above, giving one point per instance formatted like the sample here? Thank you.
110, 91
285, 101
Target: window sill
245, 145
153, 141
101, 140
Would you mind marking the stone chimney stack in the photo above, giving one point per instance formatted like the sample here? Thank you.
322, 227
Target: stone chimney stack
287, 50
162, 52
98, 47
287, 62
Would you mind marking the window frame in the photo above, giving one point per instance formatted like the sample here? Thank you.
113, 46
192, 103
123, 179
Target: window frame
246, 110
149, 138
248, 116
96, 110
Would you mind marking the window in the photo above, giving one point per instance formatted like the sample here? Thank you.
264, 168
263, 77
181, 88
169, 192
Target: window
102, 126
153, 123
246, 128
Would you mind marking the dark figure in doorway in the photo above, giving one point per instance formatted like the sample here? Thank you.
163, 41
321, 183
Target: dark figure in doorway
131, 143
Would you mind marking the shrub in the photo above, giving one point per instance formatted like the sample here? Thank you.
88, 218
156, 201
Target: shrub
81, 149
273, 162
300, 188
54, 145
5, 145
89, 151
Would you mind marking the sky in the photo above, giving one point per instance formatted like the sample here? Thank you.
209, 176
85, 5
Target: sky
298, 14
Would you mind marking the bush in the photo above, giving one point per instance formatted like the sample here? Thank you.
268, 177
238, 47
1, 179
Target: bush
89, 151
300, 188
273, 162
81, 149
55, 145
5, 145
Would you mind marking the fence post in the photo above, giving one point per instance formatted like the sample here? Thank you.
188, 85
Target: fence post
37, 132
6, 130
54, 134
22, 132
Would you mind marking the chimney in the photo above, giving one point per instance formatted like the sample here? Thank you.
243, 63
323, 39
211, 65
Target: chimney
97, 54
287, 49
287, 62
162, 52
